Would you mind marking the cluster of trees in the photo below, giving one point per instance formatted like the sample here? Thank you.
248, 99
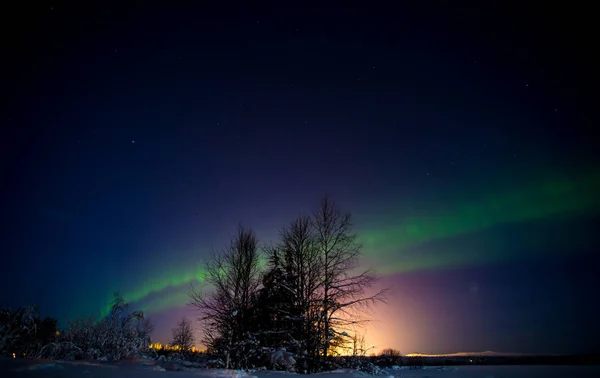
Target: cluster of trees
23, 332
298, 302
309, 297
120, 334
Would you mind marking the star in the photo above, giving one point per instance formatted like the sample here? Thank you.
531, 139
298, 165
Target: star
133, 142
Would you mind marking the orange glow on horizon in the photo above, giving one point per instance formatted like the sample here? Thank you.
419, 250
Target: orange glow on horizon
167, 347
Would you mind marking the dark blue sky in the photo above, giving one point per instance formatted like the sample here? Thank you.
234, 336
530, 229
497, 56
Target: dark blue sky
136, 137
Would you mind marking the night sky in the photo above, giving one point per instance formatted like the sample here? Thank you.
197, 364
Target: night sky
136, 137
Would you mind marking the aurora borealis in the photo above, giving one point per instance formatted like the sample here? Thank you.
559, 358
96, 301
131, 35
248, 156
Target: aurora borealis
547, 200
462, 144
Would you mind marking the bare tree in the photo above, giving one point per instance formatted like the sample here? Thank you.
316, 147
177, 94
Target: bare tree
145, 329
342, 289
225, 313
320, 256
390, 352
359, 348
183, 334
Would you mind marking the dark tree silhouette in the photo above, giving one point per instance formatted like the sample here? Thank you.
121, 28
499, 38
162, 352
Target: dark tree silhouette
312, 298
343, 298
301, 263
183, 334
310, 301
226, 312
274, 308
389, 352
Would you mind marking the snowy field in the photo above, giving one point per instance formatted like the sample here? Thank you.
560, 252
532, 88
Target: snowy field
144, 368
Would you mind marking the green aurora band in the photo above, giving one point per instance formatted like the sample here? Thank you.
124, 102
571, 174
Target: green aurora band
550, 199
546, 200
154, 285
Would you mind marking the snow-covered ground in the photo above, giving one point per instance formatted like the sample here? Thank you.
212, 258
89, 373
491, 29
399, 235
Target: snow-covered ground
149, 369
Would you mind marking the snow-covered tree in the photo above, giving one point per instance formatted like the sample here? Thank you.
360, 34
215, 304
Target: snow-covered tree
16, 329
122, 333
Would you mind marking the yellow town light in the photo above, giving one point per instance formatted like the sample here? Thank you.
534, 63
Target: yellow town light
167, 347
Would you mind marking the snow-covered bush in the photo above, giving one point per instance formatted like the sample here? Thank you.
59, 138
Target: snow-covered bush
282, 359
115, 337
149, 353
363, 364
60, 350
244, 353
176, 356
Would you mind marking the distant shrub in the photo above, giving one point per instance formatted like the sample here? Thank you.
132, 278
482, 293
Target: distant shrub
390, 357
389, 352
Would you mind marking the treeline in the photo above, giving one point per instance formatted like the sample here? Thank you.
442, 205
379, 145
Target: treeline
122, 333
301, 308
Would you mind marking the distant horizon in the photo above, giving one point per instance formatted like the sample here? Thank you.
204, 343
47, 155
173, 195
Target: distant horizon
485, 353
